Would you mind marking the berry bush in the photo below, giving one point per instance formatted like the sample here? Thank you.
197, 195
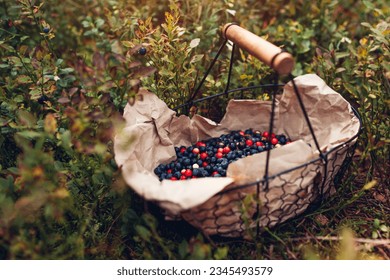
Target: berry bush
68, 68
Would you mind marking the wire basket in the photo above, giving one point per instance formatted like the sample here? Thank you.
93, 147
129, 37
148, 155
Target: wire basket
243, 210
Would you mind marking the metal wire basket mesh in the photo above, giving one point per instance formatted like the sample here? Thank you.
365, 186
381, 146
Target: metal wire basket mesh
241, 210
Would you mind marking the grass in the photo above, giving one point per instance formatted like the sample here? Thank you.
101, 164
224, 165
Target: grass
68, 68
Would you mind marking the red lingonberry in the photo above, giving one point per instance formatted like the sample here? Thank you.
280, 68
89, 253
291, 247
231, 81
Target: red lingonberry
249, 142
259, 143
188, 173
203, 156
200, 144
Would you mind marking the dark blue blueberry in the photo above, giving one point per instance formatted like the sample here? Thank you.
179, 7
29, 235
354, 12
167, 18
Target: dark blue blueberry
200, 172
260, 149
168, 176
178, 166
224, 164
213, 159
157, 171
217, 175
194, 160
230, 155
177, 150
220, 170
42, 99
199, 162
249, 131
202, 149
189, 149
195, 172
205, 173
142, 51
46, 29
208, 168
239, 154
253, 151
177, 174
282, 139
232, 146
186, 161
237, 135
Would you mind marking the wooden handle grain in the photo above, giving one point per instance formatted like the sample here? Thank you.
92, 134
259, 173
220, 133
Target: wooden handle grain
282, 62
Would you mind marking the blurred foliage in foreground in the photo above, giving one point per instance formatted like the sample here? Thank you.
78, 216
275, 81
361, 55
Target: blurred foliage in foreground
68, 68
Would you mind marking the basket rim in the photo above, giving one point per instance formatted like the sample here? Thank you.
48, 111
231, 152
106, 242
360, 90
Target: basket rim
278, 85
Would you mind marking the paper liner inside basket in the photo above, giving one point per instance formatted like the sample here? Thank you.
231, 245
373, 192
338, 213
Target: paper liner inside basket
153, 130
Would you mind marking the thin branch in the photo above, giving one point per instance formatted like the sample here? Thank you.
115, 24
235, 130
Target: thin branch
385, 242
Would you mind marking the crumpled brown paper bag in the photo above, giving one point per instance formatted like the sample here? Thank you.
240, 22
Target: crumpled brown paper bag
216, 205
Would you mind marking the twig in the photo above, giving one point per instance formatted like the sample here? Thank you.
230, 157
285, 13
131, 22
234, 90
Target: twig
385, 242
383, 253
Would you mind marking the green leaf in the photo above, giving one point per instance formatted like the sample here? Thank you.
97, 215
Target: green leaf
59, 62
99, 22
127, 44
368, 4
221, 253
143, 232
66, 71
383, 228
23, 79
183, 249
29, 134
27, 118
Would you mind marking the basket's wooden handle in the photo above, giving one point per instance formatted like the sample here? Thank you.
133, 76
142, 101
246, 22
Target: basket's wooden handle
282, 62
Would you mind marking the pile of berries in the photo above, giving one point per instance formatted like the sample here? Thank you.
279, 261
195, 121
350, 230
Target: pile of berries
211, 158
